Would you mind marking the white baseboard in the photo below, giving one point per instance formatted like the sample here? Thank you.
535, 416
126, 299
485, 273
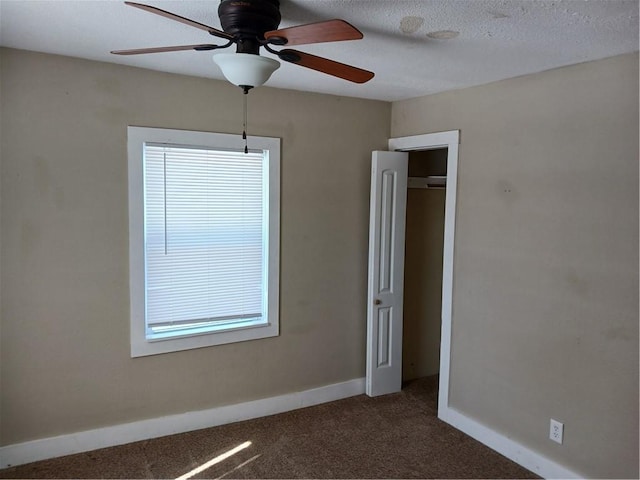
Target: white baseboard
78, 442
514, 451
68, 444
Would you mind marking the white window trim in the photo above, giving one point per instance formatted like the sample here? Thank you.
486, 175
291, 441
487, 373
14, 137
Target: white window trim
137, 137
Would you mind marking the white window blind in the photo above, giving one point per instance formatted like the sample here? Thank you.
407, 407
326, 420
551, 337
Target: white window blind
205, 237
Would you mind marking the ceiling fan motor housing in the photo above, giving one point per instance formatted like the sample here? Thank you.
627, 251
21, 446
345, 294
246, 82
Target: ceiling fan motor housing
248, 20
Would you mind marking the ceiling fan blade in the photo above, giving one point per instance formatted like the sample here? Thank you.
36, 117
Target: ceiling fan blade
329, 31
324, 65
178, 18
138, 51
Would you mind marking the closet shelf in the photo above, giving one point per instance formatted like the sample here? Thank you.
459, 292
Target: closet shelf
432, 181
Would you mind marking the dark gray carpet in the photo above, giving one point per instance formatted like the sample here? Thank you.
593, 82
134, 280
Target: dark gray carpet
394, 436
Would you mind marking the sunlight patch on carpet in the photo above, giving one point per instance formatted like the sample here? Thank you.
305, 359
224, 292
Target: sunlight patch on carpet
255, 457
214, 461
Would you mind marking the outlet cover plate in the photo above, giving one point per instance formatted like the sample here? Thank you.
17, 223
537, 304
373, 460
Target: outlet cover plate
556, 431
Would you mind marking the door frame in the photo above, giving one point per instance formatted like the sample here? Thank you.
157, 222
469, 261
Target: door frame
431, 141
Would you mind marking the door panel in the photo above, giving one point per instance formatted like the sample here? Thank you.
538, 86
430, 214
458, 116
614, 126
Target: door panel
386, 272
384, 337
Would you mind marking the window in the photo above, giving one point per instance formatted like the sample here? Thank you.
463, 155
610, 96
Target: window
203, 239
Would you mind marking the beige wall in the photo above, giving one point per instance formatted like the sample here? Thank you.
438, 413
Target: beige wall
65, 362
545, 295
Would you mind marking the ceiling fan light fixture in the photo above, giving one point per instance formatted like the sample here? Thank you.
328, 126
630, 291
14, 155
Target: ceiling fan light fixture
246, 69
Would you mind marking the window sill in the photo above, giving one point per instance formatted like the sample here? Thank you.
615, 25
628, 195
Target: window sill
142, 346
205, 330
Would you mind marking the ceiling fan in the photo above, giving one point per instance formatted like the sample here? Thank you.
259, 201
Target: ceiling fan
253, 24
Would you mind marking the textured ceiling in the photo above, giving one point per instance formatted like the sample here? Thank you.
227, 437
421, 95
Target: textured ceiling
415, 47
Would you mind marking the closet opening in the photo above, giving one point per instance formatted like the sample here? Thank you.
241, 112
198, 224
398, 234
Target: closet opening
423, 271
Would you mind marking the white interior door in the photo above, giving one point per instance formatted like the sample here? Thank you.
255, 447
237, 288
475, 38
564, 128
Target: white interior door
386, 272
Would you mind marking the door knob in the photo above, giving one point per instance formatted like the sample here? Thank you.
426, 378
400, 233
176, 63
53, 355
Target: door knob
377, 301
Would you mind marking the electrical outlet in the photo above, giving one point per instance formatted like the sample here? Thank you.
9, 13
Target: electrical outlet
556, 431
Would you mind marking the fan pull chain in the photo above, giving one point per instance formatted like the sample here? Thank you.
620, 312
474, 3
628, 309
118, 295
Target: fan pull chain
244, 119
